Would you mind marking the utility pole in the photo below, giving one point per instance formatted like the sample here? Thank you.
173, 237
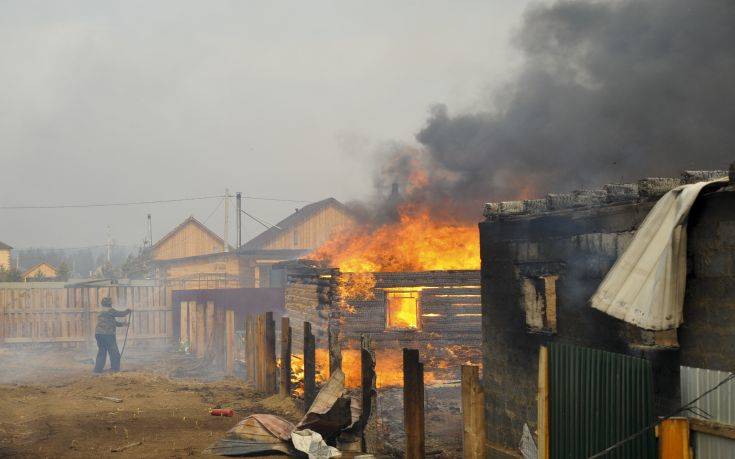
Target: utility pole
238, 206
109, 244
227, 219
150, 231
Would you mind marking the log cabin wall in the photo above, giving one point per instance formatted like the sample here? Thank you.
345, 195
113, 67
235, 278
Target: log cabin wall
449, 331
309, 297
449, 324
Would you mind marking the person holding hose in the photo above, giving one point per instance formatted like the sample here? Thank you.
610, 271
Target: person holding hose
104, 333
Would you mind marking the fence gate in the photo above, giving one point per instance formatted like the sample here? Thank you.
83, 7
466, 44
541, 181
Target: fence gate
596, 399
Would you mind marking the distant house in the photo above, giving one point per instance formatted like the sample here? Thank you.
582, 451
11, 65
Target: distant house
43, 270
5, 255
305, 229
192, 256
189, 239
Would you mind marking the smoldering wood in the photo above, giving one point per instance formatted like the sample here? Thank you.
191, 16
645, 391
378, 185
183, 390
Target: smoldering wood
309, 365
413, 404
335, 353
285, 385
371, 441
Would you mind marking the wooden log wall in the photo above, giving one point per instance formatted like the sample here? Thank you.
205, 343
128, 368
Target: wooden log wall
450, 316
51, 313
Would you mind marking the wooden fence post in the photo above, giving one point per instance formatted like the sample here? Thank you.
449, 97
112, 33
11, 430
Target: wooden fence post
673, 439
248, 349
260, 355
230, 342
335, 353
473, 413
309, 365
201, 330
542, 403
413, 404
368, 417
192, 306
285, 387
184, 322
270, 354
209, 347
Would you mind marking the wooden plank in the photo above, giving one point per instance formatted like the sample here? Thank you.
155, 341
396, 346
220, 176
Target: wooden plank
250, 370
712, 428
184, 322
209, 350
309, 365
230, 341
473, 413
673, 439
335, 353
285, 385
260, 353
271, 368
192, 306
413, 404
542, 403
201, 330
371, 440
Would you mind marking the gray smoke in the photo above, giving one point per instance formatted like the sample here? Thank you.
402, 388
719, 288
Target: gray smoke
607, 91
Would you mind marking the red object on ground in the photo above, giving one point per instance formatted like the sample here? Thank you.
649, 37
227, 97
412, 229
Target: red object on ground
229, 412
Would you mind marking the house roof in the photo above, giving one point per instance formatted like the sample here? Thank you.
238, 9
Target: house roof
4, 246
184, 223
289, 222
36, 266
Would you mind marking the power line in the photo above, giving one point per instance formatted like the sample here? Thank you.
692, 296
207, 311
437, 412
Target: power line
138, 203
261, 198
262, 222
685, 407
108, 204
215, 210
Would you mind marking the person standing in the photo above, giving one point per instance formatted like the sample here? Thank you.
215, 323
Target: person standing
104, 333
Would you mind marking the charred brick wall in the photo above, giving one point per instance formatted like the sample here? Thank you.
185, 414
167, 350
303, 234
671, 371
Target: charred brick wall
577, 247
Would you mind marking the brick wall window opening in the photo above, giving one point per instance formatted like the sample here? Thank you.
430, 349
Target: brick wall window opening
402, 310
539, 303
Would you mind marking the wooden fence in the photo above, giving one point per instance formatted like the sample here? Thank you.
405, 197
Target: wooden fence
54, 313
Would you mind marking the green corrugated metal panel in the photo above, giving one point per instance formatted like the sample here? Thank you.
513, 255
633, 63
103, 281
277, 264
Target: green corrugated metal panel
596, 399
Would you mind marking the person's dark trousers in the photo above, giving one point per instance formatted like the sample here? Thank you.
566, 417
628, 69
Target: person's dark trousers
107, 344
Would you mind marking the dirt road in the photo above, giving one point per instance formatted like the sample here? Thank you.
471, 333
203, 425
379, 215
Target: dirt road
51, 408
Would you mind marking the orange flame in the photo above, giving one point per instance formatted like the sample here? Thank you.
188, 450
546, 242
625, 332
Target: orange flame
414, 243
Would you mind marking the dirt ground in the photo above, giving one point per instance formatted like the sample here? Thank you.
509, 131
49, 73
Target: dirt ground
51, 408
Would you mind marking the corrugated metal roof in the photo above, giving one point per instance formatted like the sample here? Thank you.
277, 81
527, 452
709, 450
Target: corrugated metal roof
719, 405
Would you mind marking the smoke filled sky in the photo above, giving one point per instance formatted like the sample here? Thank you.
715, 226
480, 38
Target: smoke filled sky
133, 101
121, 101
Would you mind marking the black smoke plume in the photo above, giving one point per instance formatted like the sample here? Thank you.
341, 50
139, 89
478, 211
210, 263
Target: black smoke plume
607, 91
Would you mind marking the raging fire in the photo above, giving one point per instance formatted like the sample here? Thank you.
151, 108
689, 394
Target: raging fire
416, 242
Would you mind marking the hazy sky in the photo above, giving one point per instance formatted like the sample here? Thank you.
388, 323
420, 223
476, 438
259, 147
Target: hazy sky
121, 101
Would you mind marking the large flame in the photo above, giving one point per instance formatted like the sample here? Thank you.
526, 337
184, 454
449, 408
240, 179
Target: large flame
416, 242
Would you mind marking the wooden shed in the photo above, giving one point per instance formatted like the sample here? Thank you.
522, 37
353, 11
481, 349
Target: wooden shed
40, 270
